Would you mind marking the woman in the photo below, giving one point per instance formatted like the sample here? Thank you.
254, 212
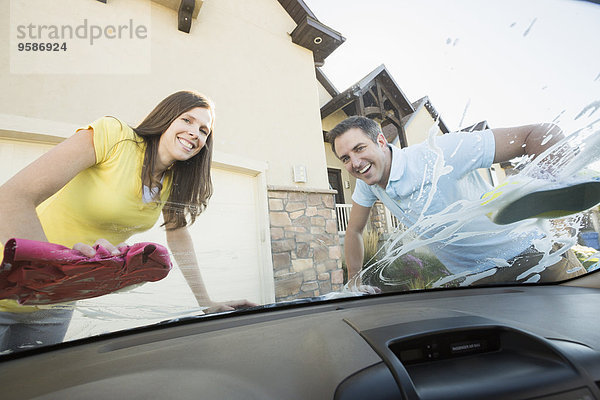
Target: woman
110, 181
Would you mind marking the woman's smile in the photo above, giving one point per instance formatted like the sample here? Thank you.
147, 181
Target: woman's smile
186, 143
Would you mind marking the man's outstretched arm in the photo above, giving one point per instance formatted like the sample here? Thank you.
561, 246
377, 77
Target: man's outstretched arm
525, 140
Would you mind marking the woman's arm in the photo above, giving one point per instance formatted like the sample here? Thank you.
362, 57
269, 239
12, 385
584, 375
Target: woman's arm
182, 247
20, 195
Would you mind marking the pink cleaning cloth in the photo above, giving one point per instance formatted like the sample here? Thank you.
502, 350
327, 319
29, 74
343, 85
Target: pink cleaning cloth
35, 273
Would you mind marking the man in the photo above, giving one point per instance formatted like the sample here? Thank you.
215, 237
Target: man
422, 182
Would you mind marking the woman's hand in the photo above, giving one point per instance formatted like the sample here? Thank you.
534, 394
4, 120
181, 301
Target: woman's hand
216, 306
89, 251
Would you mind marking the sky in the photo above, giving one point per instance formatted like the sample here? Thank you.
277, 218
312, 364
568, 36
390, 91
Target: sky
510, 62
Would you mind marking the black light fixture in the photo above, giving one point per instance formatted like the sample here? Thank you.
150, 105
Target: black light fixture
186, 9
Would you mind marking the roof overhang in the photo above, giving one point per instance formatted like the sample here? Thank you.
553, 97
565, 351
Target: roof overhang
376, 96
326, 83
187, 10
316, 37
379, 74
310, 33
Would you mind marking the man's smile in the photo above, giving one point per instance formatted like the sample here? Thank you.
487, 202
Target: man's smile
365, 168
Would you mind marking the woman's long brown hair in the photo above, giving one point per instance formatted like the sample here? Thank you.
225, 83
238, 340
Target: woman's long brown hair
191, 181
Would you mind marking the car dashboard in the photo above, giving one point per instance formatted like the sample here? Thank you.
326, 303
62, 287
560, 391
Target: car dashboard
518, 342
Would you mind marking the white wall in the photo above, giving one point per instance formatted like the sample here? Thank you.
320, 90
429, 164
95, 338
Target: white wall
238, 52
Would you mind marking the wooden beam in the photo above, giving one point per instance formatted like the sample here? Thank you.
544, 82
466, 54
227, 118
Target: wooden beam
380, 99
384, 81
361, 105
174, 5
373, 110
184, 15
390, 97
394, 120
370, 91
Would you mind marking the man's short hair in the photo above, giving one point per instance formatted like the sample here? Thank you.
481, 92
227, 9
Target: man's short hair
367, 125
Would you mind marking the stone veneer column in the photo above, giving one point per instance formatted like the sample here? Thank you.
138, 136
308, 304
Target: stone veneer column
378, 220
305, 243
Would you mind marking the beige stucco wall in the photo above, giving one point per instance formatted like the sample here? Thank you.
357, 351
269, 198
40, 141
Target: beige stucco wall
418, 126
238, 53
496, 171
324, 95
332, 161
500, 173
332, 120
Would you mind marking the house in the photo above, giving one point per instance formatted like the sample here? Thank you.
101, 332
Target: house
269, 232
376, 96
404, 123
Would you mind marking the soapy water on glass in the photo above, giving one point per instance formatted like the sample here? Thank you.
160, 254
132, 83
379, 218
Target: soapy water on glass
559, 163
170, 299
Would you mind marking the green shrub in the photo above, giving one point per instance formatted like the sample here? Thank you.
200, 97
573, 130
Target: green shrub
371, 245
410, 271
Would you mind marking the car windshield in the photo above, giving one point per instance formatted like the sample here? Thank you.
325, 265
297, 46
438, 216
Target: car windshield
168, 160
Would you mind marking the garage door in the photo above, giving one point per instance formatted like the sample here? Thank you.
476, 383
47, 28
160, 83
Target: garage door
15, 155
227, 238
227, 241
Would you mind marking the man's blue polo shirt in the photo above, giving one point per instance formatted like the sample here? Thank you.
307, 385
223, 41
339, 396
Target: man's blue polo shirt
431, 184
